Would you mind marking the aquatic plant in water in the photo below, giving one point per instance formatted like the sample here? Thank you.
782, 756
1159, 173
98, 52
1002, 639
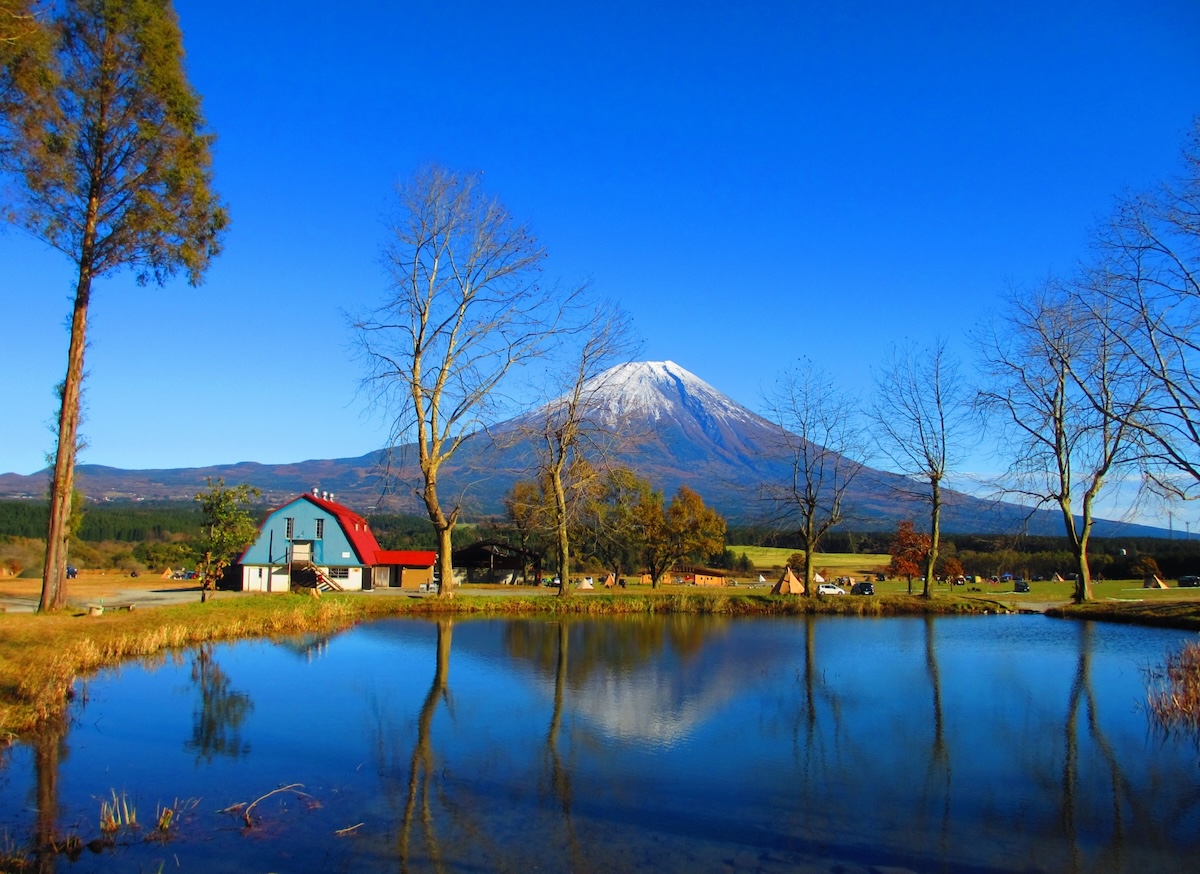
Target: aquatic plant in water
1175, 705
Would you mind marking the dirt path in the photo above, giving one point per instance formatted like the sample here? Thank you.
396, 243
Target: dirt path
111, 589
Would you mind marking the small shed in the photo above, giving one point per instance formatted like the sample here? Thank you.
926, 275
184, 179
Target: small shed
493, 561
403, 568
707, 577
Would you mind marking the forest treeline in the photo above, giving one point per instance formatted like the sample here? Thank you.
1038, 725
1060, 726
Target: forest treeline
147, 535
152, 536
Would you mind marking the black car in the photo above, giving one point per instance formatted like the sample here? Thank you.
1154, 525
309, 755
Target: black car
862, 589
1189, 582
1020, 586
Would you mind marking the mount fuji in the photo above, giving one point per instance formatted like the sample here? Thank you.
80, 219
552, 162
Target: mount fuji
678, 430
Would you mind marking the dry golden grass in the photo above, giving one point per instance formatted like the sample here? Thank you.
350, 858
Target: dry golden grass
1176, 704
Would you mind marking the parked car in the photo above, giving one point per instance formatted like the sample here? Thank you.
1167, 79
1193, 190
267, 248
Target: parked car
862, 589
830, 589
1189, 582
1020, 586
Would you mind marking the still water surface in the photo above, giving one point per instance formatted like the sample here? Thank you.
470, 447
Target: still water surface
666, 744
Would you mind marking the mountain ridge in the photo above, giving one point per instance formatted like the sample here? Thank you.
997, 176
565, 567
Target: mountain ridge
686, 433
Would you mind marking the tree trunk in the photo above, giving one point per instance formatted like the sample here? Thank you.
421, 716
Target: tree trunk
562, 542
443, 528
807, 536
445, 562
1083, 573
935, 531
62, 486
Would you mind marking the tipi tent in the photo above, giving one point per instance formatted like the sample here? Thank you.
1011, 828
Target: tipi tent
1153, 582
789, 584
817, 578
610, 581
761, 579
587, 583
1057, 578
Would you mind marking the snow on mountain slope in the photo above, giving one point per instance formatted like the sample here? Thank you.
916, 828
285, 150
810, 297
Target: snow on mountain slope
660, 390
675, 414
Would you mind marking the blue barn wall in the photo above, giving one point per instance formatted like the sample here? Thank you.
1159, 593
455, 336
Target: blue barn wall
332, 550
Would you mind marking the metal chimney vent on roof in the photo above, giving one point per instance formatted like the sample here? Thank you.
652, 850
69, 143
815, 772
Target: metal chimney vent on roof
316, 491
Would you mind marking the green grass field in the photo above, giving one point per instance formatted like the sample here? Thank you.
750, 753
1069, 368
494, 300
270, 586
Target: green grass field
839, 564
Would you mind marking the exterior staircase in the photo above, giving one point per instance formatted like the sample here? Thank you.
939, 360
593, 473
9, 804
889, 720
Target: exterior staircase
308, 575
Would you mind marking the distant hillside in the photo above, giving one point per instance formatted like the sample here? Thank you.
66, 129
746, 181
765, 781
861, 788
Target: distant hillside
687, 433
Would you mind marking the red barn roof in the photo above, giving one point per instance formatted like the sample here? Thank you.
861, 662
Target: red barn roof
354, 525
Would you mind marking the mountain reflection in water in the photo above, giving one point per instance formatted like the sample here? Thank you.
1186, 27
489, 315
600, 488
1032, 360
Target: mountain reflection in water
672, 743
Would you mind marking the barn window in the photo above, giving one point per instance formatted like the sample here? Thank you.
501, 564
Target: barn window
339, 573
320, 528
289, 525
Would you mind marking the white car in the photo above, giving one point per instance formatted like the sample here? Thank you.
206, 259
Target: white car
830, 589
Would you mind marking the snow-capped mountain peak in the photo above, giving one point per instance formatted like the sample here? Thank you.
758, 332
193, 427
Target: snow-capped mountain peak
659, 390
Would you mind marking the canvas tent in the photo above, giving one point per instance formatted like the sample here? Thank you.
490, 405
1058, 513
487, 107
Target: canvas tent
789, 584
817, 578
1057, 578
1153, 582
587, 583
610, 581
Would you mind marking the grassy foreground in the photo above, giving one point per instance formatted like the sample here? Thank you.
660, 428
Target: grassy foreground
41, 656
1162, 613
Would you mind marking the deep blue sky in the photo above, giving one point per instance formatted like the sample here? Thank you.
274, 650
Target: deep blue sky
753, 181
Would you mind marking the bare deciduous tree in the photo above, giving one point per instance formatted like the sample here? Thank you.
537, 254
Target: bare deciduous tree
465, 308
820, 435
921, 410
1056, 379
571, 437
1145, 285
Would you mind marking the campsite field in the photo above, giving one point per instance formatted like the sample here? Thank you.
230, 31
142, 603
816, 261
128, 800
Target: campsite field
838, 564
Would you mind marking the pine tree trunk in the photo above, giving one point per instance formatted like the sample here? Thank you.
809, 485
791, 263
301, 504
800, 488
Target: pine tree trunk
62, 486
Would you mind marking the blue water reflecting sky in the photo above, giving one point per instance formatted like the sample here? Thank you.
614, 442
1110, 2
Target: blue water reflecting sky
964, 744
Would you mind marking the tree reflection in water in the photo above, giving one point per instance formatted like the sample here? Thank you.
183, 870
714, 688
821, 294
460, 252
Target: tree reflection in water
49, 751
218, 718
560, 775
816, 751
421, 765
1123, 794
937, 773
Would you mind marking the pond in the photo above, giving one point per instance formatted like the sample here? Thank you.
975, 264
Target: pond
618, 744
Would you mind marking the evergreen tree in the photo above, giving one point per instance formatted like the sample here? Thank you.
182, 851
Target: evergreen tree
107, 148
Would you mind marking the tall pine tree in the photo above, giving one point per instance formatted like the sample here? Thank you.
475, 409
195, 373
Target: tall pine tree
112, 166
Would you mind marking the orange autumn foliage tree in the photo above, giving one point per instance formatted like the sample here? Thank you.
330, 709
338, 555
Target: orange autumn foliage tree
908, 551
